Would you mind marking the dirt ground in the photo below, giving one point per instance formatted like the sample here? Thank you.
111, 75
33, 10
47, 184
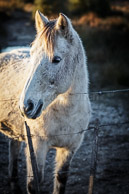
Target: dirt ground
112, 173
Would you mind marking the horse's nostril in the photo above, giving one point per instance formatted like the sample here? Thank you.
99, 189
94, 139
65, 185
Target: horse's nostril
29, 107
33, 110
38, 110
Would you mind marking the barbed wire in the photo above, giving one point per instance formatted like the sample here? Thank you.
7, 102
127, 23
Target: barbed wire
89, 128
72, 133
9, 99
109, 91
92, 92
17, 177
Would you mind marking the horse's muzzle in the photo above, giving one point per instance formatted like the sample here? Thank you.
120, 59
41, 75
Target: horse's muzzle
33, 110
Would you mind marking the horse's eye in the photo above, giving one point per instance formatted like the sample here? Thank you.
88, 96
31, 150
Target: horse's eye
56, 59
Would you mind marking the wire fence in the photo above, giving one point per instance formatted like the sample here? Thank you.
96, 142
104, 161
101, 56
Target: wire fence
94, 127
72, 133
101, 92
94, 153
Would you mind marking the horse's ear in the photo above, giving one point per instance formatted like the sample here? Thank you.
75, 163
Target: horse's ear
40, 21
63, 23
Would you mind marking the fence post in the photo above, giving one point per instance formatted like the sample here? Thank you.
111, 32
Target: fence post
94, 154
33, 160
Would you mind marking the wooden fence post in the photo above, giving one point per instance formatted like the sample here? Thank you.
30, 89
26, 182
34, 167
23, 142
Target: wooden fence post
93, 158
33, 160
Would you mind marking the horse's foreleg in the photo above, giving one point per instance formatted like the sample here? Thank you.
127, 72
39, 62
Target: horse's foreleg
41, 153
29, 173
63, 158
40, 148
14, 147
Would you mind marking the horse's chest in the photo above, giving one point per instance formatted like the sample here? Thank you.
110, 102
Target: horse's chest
64, 121
63, 131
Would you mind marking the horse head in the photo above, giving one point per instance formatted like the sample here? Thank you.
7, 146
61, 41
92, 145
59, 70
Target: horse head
53, 61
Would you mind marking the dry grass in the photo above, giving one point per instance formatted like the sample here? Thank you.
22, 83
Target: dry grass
92, 20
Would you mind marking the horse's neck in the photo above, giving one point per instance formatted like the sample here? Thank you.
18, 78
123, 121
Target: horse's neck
80, 82
78, 88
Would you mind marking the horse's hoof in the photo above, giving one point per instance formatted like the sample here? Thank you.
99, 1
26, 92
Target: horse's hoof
31, 187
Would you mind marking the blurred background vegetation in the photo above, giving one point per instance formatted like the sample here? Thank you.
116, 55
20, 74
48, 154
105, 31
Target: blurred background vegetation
102, 24
50, 7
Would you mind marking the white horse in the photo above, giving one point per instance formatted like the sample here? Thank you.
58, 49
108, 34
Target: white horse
52, 80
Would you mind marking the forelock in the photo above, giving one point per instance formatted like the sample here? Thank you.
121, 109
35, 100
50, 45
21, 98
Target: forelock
49, 36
